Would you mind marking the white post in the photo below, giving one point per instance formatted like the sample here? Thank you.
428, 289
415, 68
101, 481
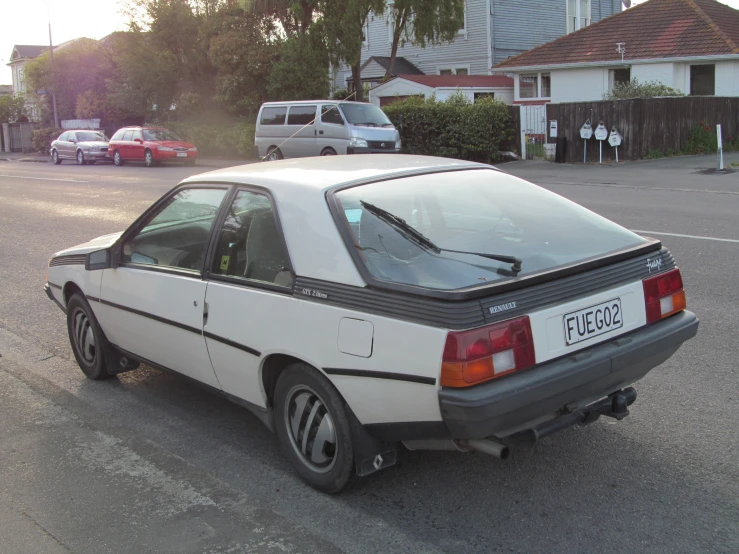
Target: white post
720, 148
585, 152
616, 154
523, 144
601, 151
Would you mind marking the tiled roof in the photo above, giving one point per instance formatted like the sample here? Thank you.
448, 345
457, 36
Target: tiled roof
439, 81
29, 51
654, 29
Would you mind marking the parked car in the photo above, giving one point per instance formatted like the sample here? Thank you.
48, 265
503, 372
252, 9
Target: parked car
358, 304
84, 146
322, 128
151, 145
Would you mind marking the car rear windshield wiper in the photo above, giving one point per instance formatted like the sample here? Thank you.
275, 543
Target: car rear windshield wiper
421, 240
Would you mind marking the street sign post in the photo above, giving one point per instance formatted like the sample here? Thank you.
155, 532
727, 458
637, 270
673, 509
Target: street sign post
601, 134
720, 148
586, 132
615, 139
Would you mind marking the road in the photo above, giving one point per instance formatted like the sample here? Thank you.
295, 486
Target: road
150, 463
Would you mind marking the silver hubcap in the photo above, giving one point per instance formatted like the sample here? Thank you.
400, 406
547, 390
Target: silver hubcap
273, 156
311, 429
149, 159
80, 159
54, 155
117, 158
84, 338
328, 153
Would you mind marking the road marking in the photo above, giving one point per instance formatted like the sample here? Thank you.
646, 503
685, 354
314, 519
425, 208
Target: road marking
636, 187
42, 178
698, 237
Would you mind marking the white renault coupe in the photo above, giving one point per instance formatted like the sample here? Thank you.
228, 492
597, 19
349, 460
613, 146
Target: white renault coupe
360, 303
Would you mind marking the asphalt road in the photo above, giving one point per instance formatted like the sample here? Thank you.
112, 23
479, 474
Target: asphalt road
150, 463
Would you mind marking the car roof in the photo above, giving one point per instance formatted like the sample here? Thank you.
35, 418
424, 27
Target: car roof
289, 102
84, 131
321, 173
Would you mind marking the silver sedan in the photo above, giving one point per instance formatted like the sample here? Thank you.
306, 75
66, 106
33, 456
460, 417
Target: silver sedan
86, 147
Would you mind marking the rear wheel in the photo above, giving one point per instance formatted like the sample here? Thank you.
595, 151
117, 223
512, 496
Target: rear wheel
312, 423
274, 154
117, 158
328, 152
55, 157
87, 338
80, 158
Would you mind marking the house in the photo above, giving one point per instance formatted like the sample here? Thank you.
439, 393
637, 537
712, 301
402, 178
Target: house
689, 45
493, 30
443, 86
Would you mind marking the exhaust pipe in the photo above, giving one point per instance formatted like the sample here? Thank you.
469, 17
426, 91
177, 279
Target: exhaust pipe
490, 447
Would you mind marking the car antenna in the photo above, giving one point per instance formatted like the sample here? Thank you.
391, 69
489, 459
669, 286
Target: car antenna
311, 122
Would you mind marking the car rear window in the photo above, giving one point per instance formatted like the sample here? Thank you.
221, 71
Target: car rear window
481, 211
301, 115
273, 116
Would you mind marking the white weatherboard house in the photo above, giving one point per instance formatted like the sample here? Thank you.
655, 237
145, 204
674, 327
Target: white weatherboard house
442, 87
689, 45
493, 30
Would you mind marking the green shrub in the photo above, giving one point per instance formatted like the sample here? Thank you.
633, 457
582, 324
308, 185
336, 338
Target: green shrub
340, 94
702, 140
228, 140
640, 89
42, 138
456, 128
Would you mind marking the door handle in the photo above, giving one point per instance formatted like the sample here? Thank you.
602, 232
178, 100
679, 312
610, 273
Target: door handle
320, 132
205, 314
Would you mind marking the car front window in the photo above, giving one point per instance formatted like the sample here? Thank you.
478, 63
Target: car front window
177, 234
473, 211
159, 134
365, 115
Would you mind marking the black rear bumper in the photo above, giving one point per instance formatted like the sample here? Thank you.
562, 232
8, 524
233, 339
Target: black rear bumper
521, 401
366, 150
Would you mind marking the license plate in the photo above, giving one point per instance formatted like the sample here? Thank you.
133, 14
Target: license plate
593, 321
182, 154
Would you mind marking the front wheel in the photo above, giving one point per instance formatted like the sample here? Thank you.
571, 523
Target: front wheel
87, 338
328, 152
80, 158
312, 423
149, 160
55, 157
274, 154
117, 158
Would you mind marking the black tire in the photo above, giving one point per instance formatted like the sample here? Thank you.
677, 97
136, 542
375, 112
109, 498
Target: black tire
117, 158
273, 154
55, 159
301, 391
81, 158
328, 152
86, 338
91, 162
149, 160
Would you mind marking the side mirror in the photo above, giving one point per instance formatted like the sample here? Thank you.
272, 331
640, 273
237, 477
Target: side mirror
140, 141
100, 259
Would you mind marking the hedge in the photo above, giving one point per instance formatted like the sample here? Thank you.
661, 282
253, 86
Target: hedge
456, 128
42, 138
231, 140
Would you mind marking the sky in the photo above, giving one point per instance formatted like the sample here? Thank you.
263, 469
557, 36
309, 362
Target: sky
26, 22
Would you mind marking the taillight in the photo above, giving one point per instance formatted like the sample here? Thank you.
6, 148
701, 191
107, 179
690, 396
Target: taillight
471, 357
664, 295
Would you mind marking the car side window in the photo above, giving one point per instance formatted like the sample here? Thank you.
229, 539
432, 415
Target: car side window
118, 135
137, 135
63, 136
128, 135
71, 137
301, 115
177, 235
250, 245
273, 116
330, 114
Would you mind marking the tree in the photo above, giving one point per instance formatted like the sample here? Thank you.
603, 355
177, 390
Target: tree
302, 70
343, 23
295, 16
430, 21
12, 109
639, 89
243, 51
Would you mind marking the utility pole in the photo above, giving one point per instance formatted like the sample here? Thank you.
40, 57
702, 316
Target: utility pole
51, 59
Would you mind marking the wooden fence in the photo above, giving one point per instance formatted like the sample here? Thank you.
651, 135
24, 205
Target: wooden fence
647, 125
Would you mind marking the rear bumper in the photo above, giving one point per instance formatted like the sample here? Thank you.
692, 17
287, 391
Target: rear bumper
354, 150
521, 401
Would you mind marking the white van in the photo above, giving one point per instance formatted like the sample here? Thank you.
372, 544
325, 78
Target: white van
322, 128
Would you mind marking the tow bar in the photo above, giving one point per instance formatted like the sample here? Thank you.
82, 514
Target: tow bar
614, 405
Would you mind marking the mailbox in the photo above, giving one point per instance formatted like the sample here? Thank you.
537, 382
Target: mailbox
601, 133
615, 138
586, 131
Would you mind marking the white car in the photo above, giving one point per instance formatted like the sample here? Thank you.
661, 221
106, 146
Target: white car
355, 304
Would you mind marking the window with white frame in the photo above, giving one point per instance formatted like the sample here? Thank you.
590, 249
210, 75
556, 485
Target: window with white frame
21, 84
534, 85
463, 29
459, 70
578, 15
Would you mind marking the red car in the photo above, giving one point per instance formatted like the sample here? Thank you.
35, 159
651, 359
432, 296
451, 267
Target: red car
151, 145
